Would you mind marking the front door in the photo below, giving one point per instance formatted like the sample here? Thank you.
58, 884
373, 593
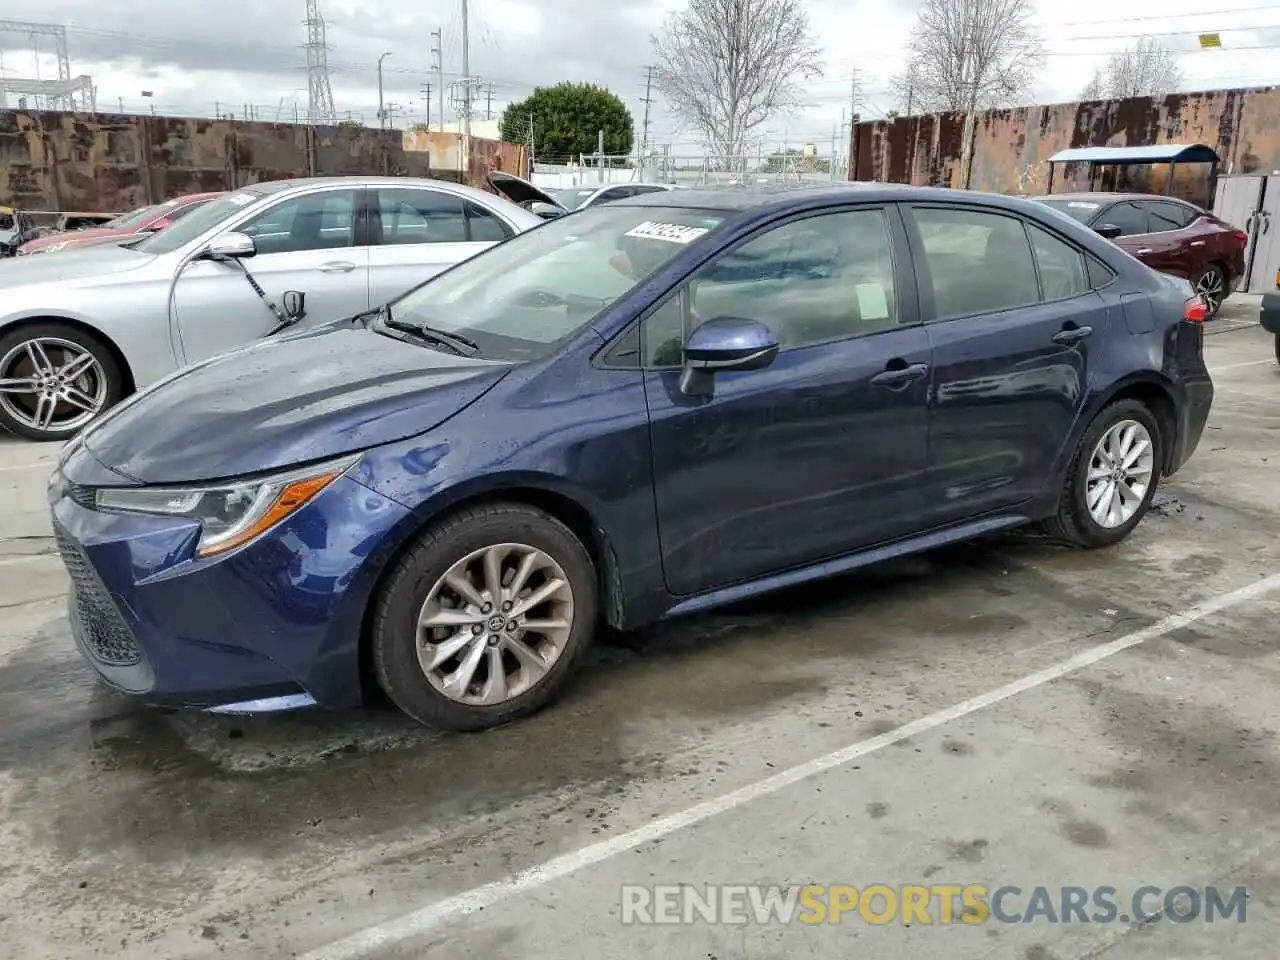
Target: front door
305, 243
816, 455
1012, 319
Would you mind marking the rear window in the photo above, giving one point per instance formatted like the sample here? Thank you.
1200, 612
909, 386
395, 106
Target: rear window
1080, 210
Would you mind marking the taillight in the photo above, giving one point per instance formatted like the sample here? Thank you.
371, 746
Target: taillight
1242, 238
1195, 310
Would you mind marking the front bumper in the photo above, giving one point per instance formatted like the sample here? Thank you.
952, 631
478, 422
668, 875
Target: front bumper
274, 623
1269, 314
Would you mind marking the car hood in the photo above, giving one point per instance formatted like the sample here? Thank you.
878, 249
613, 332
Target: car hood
75, 236
282, 402
99, 260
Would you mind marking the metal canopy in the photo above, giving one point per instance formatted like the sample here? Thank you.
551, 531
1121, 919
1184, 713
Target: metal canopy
1160, 153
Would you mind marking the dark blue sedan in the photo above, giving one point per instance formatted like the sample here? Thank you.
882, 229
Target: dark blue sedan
649, 408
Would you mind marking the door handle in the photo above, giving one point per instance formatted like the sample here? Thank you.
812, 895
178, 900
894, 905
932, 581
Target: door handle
1145, 250
1072, 335
1197, 243
895, 376
337, 266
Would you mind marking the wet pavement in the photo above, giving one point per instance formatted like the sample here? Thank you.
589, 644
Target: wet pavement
1001, 713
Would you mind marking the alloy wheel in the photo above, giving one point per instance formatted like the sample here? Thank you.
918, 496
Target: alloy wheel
50, 384
494, 624
1212, 286
1120, 474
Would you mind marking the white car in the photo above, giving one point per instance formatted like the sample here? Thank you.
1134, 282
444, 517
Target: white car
579, 198
82, 330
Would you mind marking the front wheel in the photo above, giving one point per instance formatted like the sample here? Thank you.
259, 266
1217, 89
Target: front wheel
1112, 478
484, 619
55, 379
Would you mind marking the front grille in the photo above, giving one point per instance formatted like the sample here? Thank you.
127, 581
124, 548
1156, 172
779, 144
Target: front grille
103, 628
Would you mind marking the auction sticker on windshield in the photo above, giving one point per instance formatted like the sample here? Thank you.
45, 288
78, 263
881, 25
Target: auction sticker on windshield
1082, 205
670, 232
240, 199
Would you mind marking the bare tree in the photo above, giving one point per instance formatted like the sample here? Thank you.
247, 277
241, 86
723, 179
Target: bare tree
1096, 88
727, 66
1144, 69
971, 54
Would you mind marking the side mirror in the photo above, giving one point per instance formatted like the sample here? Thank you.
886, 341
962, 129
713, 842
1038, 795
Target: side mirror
294, 303
545, 210
725, 344
1108, 231
231, 246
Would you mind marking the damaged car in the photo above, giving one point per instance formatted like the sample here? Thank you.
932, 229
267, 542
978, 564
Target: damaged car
84, 329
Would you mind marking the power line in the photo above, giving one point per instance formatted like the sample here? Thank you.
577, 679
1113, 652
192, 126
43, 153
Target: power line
1170, 16
1170, 33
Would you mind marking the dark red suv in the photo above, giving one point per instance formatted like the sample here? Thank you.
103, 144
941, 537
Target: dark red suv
1166, 234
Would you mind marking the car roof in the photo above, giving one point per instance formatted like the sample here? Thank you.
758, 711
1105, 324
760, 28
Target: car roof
781, 196
1101, 197
267, 187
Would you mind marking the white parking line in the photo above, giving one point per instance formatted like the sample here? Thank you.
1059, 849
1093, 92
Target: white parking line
46, 464
451, 908
27, 558
1245, 363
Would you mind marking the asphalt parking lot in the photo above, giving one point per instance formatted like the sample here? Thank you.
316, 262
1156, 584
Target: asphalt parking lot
1001, 713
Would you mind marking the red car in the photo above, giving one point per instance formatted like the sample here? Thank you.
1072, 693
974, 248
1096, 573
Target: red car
141, 221
1166, 234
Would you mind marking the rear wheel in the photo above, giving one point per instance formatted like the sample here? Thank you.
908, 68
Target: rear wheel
55, 379
1112, 478
1212, 285
484, 620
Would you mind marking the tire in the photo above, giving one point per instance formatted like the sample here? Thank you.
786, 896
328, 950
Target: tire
416, 579
1212, 278
1074, 523
101, 385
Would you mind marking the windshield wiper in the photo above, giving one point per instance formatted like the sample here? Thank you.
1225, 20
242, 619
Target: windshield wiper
462, 346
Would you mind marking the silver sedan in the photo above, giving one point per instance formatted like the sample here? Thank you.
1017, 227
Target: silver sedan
82, 330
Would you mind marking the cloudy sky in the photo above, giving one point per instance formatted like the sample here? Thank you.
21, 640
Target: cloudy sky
198, 58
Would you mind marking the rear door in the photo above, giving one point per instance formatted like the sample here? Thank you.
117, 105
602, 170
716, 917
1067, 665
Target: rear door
1012, 320
417, 232
1173, 249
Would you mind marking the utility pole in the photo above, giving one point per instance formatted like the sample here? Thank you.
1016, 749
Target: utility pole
600, 155
644, 130
439, 68
382, 113
466, 85
488, 102
426, 93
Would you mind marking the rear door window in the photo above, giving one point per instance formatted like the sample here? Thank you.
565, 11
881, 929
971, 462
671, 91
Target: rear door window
978, 262
1163, 215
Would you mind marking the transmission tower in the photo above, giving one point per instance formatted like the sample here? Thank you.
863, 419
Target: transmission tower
320, 108
65, 93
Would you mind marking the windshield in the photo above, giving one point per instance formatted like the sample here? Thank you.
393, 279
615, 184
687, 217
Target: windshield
1081, 210
132, 217
6, 220
518, 299
573, 199
204, 217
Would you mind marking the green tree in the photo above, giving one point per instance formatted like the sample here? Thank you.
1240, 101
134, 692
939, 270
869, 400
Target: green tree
566, 120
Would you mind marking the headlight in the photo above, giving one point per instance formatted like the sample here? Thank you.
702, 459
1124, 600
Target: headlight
231, 513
